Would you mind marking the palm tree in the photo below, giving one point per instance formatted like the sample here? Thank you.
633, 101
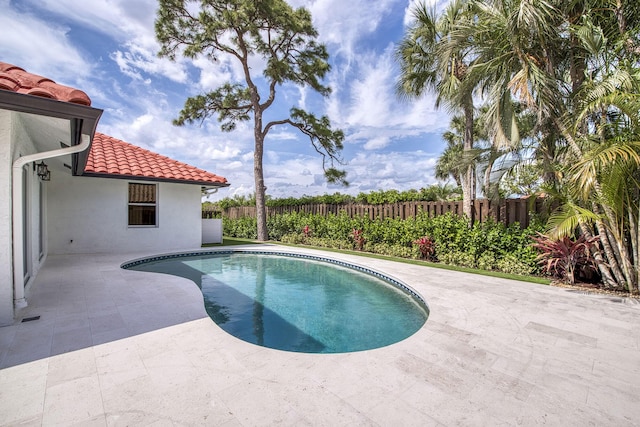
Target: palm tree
605, 138
449, 164
570, 65
454, 160
430, 61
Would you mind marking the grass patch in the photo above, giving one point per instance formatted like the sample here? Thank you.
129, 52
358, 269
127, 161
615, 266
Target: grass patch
232, 242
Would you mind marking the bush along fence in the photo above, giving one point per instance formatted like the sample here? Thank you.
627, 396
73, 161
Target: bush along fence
447, 238
507, 212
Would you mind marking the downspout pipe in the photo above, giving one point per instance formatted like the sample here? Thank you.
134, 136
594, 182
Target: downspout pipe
209, 191
19, 299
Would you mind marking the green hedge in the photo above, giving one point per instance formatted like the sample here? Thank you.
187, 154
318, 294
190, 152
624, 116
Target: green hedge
488, 245
428, 194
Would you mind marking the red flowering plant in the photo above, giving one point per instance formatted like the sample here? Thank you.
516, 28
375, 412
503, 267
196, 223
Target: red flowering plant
358, 239
427, 248
565, 258
306, 233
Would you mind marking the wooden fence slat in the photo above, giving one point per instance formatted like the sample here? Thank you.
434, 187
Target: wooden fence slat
507, 211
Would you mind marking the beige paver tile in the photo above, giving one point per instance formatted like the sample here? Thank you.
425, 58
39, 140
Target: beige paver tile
71, 366
22, 392
73, 402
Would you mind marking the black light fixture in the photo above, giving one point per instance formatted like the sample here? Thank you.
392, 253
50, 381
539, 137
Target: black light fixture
43, 171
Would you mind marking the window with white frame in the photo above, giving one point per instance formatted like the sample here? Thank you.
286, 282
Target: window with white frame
143, 205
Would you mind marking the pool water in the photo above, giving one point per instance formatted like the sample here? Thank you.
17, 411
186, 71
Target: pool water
294, 304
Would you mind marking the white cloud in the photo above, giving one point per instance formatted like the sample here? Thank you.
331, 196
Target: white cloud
136, 58
131, 23
118, 19
141, 122
373, 114
279, 134
372, 92
343, 24
394, 170
40, 47
376, 143
213, 74
226, 152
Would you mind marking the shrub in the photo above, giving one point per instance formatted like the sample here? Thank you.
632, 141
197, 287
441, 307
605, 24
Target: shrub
391, 250
512, 264
564, 258
461, 259
487, 261
489, 245
293, 239
330, 243
244, 228
358, 239
427, 248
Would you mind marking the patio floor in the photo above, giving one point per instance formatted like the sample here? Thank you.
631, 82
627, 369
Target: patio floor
116, 347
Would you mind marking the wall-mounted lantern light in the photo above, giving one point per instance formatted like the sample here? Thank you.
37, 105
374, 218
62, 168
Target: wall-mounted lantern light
43, 171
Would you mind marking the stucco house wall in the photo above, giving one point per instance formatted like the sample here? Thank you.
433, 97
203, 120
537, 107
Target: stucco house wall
24, 146
16, 143
91, 216
6, 270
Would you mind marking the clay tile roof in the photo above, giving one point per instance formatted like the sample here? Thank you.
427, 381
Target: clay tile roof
16, 79
111, 156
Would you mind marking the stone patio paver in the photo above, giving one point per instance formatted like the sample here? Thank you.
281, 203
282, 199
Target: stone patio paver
115, 347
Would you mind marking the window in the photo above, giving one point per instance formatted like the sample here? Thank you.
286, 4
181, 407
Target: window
143, 205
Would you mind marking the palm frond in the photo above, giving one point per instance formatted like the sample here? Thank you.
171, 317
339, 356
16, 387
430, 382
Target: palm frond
564, 221
586, 172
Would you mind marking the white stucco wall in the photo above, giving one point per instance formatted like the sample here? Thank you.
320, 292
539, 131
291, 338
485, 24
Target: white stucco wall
23, 145
15, 142
6, 268
211, 230
89, 215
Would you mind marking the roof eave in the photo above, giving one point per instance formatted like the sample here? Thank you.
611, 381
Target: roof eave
208, 184
52, 108
83, 118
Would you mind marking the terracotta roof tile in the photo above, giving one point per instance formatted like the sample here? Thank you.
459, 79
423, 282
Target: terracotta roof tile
16, 79
112, 156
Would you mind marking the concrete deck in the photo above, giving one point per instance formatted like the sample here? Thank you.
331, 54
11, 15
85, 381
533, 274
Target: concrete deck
115, 347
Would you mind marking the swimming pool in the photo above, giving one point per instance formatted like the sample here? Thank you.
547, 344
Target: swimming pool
297, 302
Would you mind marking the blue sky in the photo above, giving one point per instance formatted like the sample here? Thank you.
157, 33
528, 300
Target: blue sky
108, 49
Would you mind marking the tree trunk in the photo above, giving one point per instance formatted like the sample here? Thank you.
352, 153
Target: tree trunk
547, 153
611, 256
469, 177
261, 208
488, 193
635, 240
258, 174
607, 278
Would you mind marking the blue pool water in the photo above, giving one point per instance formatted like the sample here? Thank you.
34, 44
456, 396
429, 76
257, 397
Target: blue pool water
295, 303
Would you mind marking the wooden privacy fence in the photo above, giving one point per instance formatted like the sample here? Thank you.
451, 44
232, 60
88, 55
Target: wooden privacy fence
507, 211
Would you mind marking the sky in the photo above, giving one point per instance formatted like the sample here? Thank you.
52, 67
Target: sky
107, 48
